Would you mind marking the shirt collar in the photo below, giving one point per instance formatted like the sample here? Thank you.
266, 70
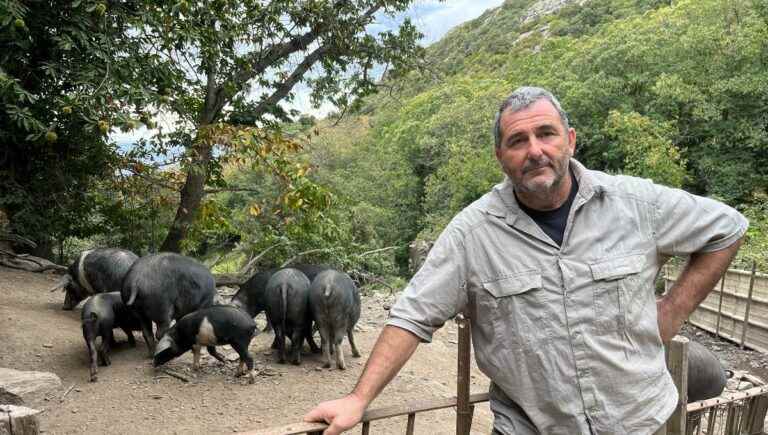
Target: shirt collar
502, 201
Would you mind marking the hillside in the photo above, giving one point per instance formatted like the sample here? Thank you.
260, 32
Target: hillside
676, 93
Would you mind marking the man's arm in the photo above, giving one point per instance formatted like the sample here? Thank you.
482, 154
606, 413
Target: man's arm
393, 348
698, 278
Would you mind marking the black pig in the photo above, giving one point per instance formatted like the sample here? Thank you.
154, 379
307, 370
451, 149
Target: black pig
102, 313
166, 286
335, 303
287, 302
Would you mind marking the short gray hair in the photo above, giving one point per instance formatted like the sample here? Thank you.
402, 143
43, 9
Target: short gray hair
520, 99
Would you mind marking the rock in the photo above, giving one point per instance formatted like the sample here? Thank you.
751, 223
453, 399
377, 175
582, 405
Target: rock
30, 386
47, 345
8, 398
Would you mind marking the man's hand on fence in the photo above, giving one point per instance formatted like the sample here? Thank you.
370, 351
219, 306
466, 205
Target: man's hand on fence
340, 414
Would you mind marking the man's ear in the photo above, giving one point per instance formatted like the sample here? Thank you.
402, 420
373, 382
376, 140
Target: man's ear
572, 141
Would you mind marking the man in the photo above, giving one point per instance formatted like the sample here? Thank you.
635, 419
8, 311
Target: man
556, 268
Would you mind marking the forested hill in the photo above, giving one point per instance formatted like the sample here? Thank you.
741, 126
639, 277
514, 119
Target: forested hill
674, 92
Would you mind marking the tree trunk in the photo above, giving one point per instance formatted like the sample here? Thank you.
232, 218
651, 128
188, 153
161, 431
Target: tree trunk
190, 198
18, 420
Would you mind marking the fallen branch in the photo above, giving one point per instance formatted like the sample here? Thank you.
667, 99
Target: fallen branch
67, 392
229, 279
301, 254
18, 240
28, 262
247, 268
177, 375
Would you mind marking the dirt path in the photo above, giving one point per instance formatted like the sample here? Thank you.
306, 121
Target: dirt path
130, 397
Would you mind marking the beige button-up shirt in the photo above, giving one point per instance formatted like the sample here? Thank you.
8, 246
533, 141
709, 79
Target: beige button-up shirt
567, 334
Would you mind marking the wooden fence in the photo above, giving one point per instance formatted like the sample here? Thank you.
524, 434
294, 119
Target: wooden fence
742, 413
737, 308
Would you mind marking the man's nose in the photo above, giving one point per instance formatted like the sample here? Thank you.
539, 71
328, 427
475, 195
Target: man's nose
534, 148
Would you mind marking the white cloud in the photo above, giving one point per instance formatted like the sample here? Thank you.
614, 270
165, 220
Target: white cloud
435, 19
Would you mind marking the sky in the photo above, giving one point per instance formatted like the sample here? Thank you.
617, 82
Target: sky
433, 18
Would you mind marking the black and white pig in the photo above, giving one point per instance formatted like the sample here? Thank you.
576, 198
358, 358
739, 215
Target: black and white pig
101, 314
94, 271
335, 303
287, 302
210, 327
706, 376
163, 287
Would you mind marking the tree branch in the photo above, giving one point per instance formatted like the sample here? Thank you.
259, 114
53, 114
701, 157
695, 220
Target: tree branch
284, 88
233, 189
376, 251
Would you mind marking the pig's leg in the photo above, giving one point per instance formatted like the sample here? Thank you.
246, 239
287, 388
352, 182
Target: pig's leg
92, 355
105, 344
280, 341
355, 352
195, 357
308, 334
245, 359
297, 339
129, 334
337, 339
212, 351
146, 331
325, 343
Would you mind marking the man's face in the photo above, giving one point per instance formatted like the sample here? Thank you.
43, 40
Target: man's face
535, 148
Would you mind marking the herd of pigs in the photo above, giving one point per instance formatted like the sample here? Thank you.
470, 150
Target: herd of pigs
131, 293
164, 287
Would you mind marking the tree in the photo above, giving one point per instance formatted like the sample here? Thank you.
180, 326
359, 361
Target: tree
230, 63
59, 71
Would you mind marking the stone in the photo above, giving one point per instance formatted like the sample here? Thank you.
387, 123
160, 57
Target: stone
28, 385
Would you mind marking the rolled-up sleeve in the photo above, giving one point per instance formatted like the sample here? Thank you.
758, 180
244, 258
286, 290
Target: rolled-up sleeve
438, 290
686, 223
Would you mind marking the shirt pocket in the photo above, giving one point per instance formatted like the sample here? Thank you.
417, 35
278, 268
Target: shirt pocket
615, 279
518, 308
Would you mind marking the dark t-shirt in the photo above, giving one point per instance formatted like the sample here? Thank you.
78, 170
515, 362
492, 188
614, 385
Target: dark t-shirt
552, 222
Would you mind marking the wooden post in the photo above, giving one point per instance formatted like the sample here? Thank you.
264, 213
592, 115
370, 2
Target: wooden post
745, 327
677, 363
18, 420
464, 409
411, 424
720, 304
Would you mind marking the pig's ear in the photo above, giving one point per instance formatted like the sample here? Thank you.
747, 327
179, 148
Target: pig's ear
62, 283
164, 344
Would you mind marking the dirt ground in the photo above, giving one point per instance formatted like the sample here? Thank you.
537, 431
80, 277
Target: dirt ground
131, 397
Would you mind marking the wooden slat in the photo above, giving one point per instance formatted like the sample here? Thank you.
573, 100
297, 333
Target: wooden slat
727, 398
411, 424
372, 415
745, 328
720, 305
